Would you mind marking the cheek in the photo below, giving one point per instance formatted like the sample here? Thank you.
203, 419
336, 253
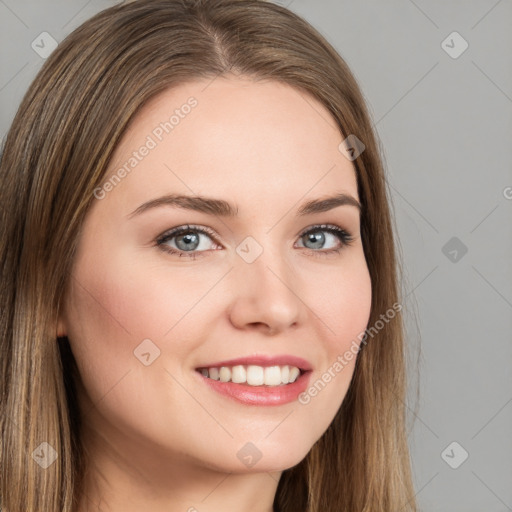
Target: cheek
351, 312
344, 313
342, 301
114, 304
118, 301
123, 301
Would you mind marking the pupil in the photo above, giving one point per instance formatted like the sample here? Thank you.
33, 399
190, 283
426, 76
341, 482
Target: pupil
318, 239
188, 237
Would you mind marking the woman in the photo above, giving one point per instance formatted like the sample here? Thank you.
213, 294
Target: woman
200, 307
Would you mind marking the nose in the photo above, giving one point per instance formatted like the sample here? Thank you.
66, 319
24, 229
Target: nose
266, 295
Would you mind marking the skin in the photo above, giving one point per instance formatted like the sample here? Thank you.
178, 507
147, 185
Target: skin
158, 438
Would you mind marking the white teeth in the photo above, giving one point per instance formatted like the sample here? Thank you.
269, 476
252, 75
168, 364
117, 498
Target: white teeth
294, 373
254, 375
238, 374
273, 376
224, 374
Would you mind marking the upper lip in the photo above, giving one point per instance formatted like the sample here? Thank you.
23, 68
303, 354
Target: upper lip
263, 360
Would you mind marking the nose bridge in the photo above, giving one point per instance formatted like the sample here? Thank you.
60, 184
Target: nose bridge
265, 260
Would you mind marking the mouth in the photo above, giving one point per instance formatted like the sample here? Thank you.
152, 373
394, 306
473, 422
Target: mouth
254, 375
256, 385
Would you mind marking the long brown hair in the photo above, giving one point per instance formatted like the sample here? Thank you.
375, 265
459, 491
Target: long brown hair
56, 153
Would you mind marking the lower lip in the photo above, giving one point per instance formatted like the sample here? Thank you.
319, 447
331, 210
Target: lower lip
260, 395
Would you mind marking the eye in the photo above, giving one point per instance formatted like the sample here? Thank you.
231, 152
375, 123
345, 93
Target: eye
316, 237
187, 239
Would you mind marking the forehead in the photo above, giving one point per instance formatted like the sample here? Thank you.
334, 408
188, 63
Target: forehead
233, 137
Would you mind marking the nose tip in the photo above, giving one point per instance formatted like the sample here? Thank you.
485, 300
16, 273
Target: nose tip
268, 304
265, 301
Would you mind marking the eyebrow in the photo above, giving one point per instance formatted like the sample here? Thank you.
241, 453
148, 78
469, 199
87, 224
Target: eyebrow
223, 208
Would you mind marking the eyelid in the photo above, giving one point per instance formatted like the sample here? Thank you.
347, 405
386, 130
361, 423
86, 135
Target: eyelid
184, 228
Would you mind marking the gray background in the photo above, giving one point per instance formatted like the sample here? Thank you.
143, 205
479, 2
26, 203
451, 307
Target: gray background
445, 124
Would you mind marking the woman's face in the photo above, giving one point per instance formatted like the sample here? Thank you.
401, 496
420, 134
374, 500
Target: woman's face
146, 308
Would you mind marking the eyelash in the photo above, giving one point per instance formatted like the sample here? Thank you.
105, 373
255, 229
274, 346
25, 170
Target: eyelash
344, 236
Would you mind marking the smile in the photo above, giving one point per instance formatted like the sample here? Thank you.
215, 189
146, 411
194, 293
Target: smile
253, 375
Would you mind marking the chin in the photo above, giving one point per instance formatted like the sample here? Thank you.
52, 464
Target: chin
264, 456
